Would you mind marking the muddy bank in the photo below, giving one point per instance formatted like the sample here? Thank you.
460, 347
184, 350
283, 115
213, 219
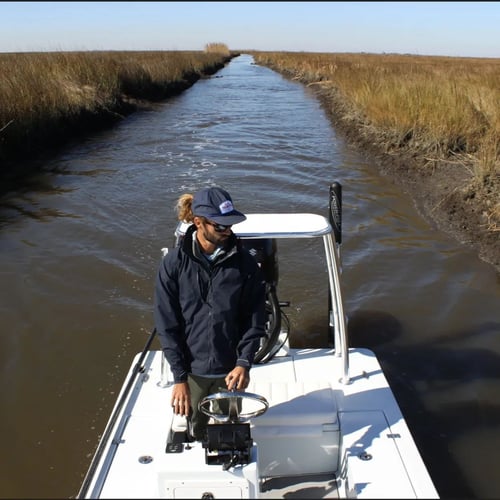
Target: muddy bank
444, 191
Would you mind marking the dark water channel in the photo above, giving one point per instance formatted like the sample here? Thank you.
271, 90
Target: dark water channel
79, 250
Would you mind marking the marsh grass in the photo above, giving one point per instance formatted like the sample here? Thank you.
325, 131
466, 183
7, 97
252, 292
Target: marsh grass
445, 106
439, 108
47, 97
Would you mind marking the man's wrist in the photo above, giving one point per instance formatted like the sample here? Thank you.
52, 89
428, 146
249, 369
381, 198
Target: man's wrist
243, 363
180, 379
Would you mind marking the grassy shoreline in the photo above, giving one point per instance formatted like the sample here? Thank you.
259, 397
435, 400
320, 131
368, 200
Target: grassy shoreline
432, 123
50, 98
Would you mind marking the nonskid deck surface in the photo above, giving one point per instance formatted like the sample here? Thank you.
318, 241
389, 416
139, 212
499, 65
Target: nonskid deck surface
315, 429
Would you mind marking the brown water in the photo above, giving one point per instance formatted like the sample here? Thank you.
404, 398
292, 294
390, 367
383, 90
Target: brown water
80, 247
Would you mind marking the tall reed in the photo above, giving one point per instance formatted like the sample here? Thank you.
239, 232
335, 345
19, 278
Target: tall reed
218, 48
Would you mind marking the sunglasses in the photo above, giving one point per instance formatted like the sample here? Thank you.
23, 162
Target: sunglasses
220, 228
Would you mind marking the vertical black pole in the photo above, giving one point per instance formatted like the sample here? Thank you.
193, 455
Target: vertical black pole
335, 219
335, 210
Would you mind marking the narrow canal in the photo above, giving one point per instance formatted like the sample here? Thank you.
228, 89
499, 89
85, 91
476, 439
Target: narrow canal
80, 247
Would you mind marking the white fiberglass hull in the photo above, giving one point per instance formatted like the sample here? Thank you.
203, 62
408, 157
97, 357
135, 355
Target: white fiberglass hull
319, 438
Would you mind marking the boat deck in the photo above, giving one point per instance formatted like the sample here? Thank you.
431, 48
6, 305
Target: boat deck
319, 438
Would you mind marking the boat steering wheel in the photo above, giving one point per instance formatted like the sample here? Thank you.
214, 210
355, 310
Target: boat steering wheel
229, 406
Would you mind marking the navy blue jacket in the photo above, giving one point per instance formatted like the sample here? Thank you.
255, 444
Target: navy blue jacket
209, 317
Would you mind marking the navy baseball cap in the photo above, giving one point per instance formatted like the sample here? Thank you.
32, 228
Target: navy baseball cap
216, 204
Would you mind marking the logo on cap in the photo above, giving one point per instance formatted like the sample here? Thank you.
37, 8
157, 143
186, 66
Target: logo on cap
226, 207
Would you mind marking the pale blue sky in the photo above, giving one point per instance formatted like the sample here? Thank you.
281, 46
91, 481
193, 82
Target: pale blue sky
425, 28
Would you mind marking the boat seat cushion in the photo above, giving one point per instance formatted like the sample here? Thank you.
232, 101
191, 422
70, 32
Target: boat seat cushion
296, 403
299, 432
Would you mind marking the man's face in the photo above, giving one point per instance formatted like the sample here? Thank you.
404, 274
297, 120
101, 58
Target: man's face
214, 233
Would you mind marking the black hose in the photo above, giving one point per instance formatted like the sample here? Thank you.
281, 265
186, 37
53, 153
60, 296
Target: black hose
284, 340
272, 308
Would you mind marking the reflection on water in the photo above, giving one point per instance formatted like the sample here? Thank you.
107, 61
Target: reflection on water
41, 214
81, 244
